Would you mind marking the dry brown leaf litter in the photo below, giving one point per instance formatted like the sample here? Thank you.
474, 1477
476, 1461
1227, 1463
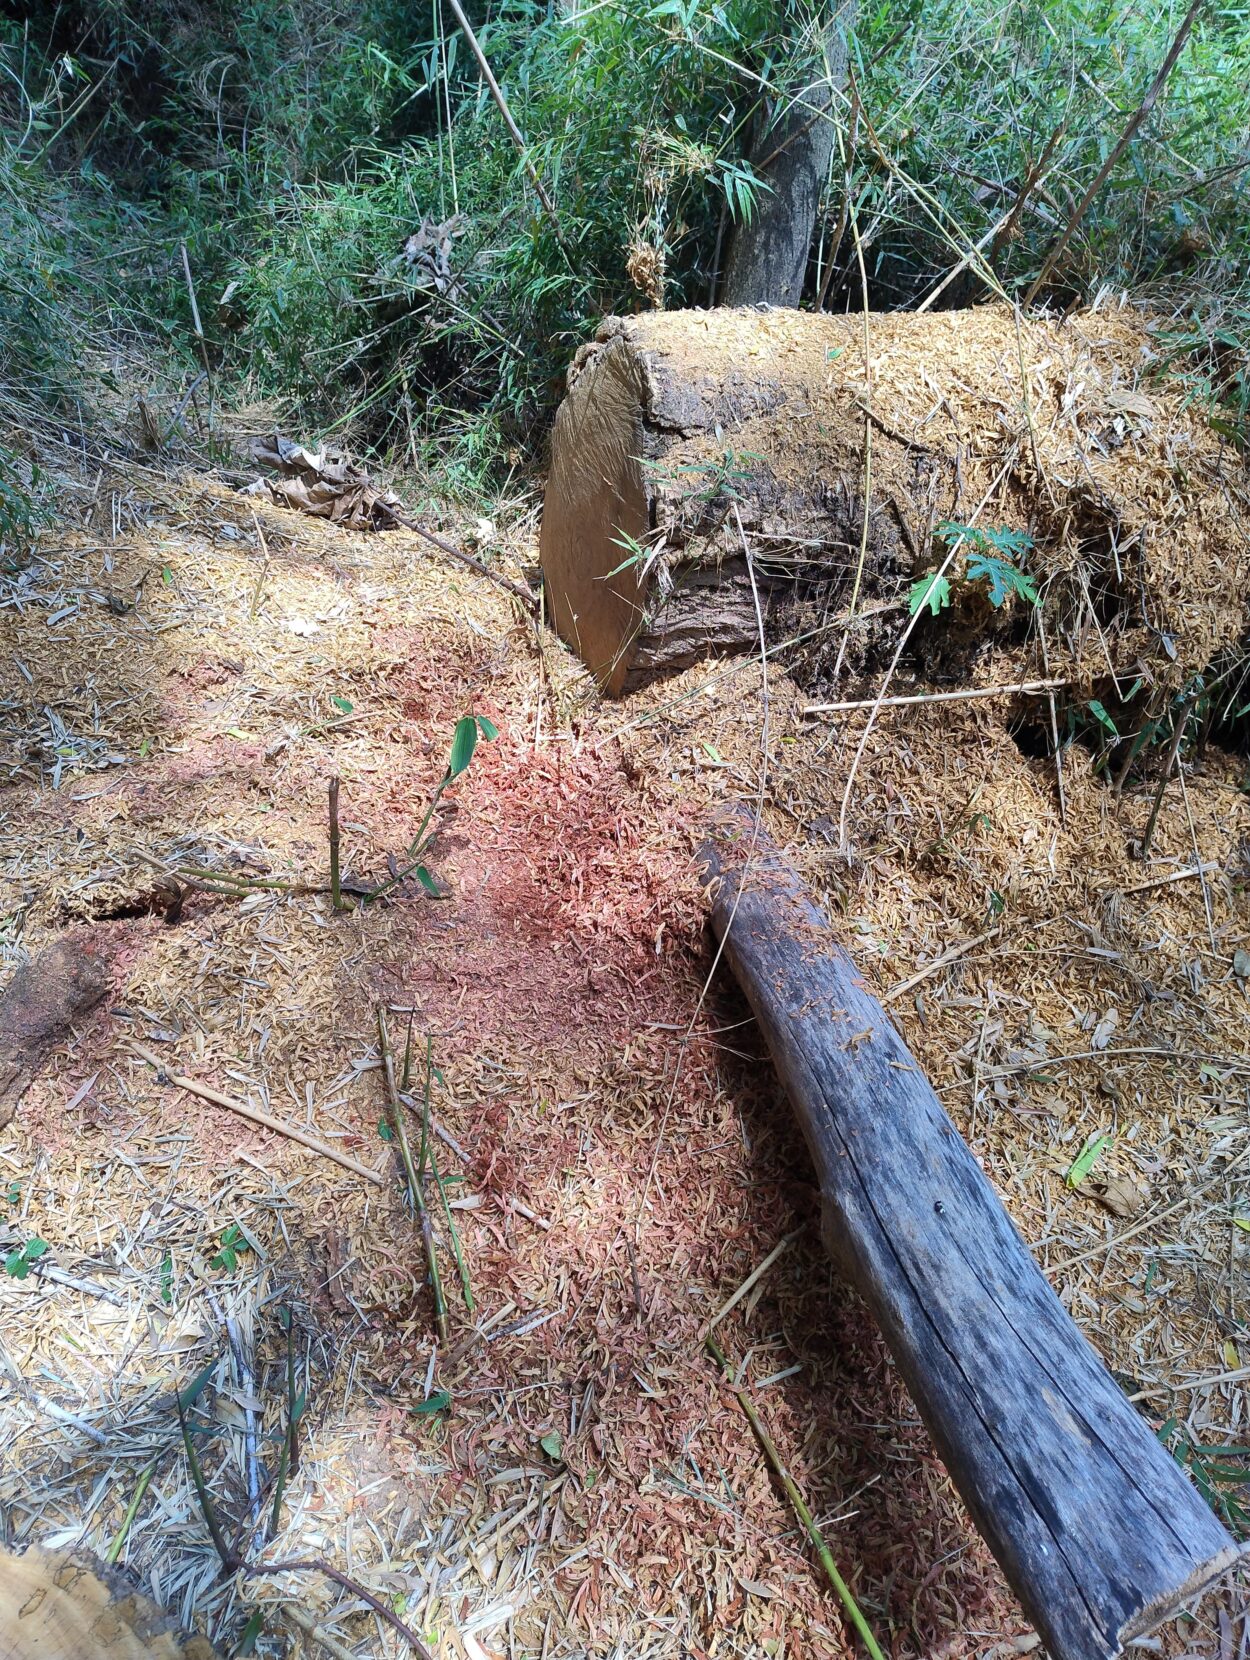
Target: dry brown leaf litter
193, 718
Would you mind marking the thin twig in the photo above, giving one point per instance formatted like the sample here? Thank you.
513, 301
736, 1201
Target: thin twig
411, 1171
1027, 688
256, 1115
452, 552
938, 963
749, 1283
314, 1564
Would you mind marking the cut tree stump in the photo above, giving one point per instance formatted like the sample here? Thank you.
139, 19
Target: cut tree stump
703, 459
68, 1605
1097, 1528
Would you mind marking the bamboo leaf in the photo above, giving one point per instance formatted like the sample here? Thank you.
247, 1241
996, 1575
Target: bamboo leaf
1086, 1159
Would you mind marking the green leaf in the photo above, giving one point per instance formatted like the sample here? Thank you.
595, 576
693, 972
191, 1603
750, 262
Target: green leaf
13, 1193
551, 1443
439, 1401
167, 1278
188, 1397
427, 881
167, 576
251, 1631
1100, 714
463, 743
385, 1131
1003, 578
34, 1249
16, 1265
487, 728
931, 590
1086, 1159
343, 704
1243, 1222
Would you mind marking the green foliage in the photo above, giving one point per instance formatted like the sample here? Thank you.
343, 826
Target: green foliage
990, 559
1091, 1151
296, 149
931, 590
17, 1263
1220, 1473
439, 1401
464, 742
233, 1245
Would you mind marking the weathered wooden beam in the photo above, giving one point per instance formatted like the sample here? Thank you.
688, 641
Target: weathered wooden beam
1097, 1528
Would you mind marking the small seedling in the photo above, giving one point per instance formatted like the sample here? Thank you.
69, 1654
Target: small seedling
439, 1401
464, 740
993, 557
233, 1245
17, 1263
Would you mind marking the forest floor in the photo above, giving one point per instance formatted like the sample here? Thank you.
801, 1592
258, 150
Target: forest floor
565, 1475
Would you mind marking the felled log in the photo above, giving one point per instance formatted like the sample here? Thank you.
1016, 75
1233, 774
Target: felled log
1097, 1528
704, 461
40, 1006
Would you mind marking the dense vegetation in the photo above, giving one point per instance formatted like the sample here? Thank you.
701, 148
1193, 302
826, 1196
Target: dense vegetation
369, 256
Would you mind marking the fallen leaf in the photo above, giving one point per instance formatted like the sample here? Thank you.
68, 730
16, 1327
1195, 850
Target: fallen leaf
1121, 1195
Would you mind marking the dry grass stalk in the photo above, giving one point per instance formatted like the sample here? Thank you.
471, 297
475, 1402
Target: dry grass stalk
244, 1110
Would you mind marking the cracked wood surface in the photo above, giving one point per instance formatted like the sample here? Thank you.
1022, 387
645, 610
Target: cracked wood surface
1097, 1528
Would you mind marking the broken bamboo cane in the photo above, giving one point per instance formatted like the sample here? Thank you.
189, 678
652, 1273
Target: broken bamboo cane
1099, 1531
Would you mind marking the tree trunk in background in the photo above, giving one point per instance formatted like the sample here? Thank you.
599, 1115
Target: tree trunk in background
767, 258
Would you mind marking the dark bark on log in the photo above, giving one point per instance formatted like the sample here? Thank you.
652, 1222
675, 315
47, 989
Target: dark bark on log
767, 259
1097, 1528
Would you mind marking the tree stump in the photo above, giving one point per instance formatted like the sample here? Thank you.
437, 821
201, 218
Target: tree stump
1097, 1528
709, 469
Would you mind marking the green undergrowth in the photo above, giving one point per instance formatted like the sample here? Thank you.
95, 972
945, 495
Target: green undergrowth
371, 260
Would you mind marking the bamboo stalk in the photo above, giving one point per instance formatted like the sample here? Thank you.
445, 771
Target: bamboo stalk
132, 1510
1173, 751
267, 1121
336, 892
414, 1180
518, 138
805, 1516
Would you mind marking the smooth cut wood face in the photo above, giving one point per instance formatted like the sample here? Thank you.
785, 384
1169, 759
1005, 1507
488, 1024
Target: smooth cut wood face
595, 501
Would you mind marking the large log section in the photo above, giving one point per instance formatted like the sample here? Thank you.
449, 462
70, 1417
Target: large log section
1097, 1528
736, 442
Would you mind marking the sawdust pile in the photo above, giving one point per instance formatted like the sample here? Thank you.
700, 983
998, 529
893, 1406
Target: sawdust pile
567, 1476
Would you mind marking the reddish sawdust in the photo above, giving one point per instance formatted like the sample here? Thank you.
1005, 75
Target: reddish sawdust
585, 1079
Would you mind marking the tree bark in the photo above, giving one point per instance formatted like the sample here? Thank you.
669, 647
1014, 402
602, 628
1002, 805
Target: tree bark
766, 261
1097, 1528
